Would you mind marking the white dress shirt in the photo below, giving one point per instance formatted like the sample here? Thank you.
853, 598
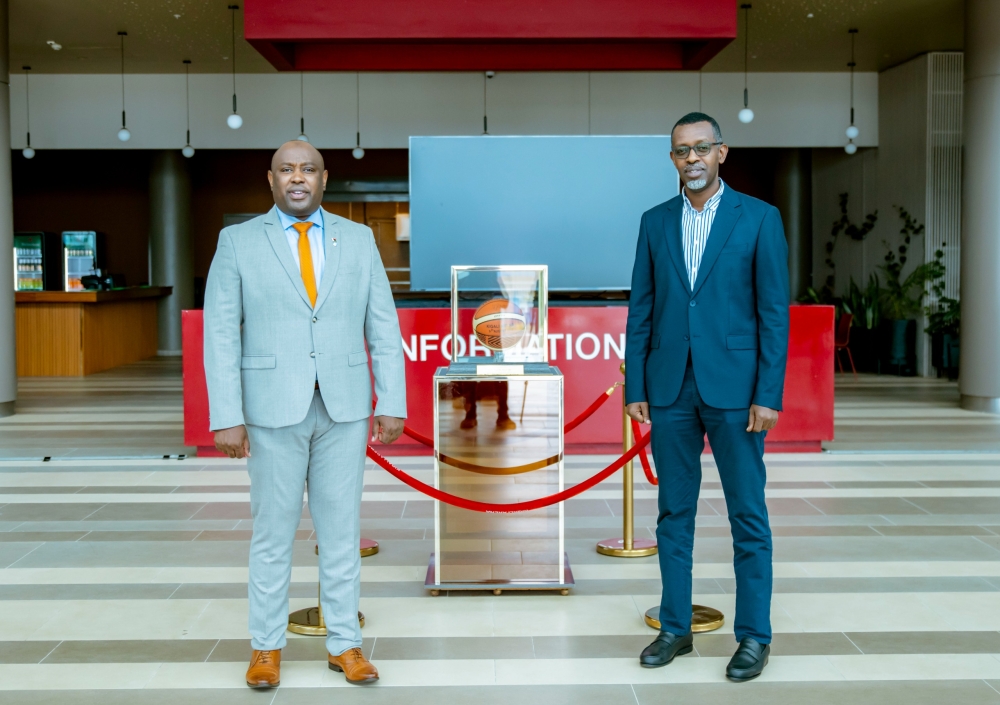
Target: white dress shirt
695, 228
315, 235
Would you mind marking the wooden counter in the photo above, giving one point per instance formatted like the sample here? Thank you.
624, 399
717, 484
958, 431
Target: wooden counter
76, 333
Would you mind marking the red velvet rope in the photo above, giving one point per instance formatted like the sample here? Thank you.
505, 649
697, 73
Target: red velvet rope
587, 413
514, 506
643, 458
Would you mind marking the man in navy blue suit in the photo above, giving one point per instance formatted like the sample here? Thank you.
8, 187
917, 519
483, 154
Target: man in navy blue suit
706, 345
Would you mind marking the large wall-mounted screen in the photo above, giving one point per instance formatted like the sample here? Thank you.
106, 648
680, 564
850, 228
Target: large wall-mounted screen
573, 203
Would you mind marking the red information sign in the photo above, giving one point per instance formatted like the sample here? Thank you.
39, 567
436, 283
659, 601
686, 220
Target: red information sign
587, 344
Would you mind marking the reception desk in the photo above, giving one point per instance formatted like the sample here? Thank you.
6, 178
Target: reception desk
76, 333
587, 344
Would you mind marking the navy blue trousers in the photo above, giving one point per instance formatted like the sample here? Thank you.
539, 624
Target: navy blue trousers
678, 441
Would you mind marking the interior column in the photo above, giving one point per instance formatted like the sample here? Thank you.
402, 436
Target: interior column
793, 198
979, 382
170, 243
8, 359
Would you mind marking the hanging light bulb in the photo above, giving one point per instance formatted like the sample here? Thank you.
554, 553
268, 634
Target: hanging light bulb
27, 152
187, 150
746, 115
852, 132
303, 137
123, 134
234, 121
358, 152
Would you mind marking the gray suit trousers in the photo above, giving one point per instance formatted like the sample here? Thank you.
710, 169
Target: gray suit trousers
330, 458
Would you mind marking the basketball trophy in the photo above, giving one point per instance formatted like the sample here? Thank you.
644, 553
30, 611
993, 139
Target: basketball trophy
498, 437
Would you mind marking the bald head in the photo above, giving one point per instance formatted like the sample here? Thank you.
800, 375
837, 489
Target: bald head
298, 178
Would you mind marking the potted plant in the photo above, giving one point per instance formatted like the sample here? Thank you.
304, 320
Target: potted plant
901, 299
864, 305
942, 325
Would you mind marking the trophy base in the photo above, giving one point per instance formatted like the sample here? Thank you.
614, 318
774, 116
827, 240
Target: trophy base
703, 619
616, 547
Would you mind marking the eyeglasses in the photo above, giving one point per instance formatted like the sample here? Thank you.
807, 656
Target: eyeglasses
701, 149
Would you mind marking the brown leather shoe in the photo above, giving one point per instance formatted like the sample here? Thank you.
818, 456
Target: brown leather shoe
265, 669
355, 667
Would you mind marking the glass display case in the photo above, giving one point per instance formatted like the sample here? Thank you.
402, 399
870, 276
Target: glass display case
498, 437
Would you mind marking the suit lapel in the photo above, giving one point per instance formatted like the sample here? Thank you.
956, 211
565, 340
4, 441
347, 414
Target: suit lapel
725, 219
332, 235
276, 235
675, 246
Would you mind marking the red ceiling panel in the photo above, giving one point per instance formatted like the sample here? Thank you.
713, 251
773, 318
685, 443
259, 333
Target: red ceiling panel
512, 35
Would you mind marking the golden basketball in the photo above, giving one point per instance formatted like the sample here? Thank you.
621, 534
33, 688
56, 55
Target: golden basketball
498, 324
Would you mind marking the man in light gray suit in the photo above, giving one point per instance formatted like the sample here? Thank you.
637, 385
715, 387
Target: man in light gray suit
293, 297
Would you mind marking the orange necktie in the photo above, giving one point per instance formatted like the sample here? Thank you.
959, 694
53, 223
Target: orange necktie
306, 260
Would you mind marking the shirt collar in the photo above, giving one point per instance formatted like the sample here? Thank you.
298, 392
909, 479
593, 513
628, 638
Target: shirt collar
316, 218
711, 204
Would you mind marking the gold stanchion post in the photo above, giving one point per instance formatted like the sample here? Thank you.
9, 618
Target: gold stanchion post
309, 621
628, 546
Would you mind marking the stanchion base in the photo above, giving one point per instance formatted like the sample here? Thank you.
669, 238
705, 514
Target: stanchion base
616, 547
307, 622
703, 619
368, 548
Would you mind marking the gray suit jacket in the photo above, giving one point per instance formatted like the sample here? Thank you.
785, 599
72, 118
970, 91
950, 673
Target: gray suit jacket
265, 346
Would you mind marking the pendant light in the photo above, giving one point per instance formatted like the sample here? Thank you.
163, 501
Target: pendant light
187, 150
123, 134
486, 77
234, 121
303, 137
27, 152
852, 131
746, 115
358, 152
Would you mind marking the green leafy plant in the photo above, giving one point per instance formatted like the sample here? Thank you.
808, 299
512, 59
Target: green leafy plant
902, 298
855, 232
946, 318
864, 304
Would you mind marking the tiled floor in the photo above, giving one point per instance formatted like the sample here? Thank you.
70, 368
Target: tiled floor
123, 580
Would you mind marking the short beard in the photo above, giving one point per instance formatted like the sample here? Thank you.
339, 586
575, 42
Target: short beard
697, 185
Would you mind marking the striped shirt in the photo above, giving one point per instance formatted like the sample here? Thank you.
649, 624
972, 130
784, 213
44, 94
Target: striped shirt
695, 227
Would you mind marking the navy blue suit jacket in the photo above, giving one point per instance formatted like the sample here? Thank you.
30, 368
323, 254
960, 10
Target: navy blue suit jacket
735, 320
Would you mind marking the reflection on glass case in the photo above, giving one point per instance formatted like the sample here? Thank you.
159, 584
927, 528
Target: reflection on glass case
498, 436
509, 322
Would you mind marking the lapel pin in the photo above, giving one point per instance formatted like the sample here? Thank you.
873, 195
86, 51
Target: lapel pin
334, 241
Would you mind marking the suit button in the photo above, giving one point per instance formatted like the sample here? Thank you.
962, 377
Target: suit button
312, 354
693, 303
686, 338
315, 319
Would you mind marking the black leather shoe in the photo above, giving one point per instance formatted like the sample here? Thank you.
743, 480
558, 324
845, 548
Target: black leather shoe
664, 648
749, 660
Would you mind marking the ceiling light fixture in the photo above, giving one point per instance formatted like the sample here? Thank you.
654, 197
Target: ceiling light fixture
746, 115
187, 150
852, 131
487, 76
234, 121
303, 137
358, 152
123, 134
28, 152
56, 46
